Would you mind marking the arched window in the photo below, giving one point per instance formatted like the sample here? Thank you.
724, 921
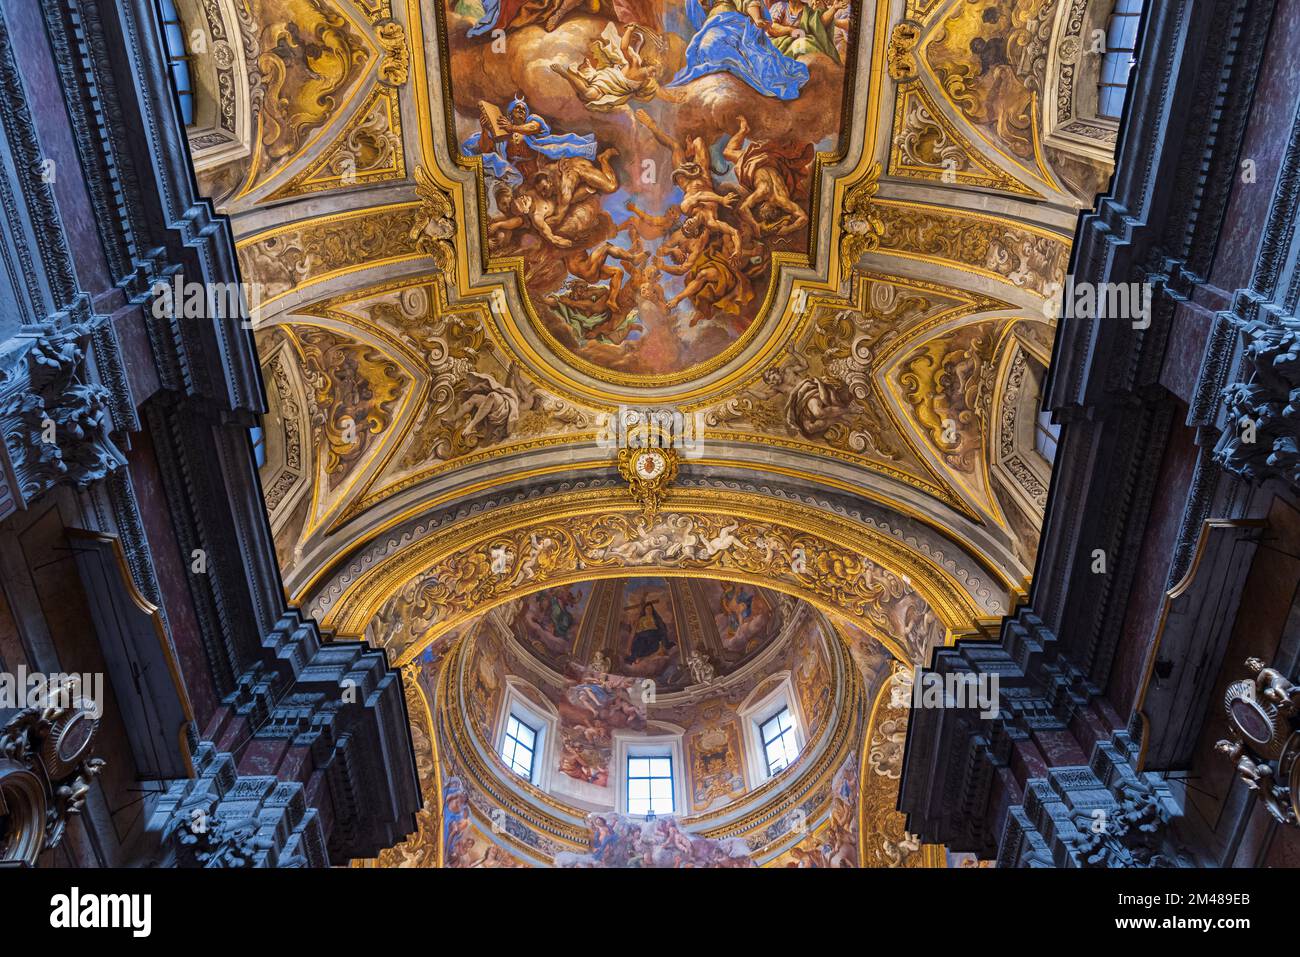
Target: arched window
1091, 56
1117, 60
178, 58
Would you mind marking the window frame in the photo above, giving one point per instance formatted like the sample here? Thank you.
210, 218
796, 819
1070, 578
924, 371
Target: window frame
1119, 60
544, 724
257, 435
1045, 430
178, 61
506, 735
660, 740
756, 712
781, 735
650, 777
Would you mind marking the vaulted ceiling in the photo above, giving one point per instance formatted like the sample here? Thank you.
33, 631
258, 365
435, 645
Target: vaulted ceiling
839, 264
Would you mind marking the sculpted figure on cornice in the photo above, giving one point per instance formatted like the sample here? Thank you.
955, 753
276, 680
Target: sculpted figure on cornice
56, 423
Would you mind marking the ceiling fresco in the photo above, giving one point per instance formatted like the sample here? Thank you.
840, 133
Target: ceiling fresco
663, 629
645, 166
854, 706
826, 236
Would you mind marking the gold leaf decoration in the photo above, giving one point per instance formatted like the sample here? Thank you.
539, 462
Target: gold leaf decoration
862, 228
395, 67
435, 227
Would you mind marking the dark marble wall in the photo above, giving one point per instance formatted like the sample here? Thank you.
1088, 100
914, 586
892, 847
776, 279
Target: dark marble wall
88, 101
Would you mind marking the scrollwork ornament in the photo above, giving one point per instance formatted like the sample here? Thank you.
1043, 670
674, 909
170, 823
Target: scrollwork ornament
863, 228
435, 225
395, 68
900, 55
648, 472
54, 743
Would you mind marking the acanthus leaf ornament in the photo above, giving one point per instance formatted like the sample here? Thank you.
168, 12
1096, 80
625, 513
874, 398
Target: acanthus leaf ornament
900, 56
1260, 439
56, 425
395, 68
648, 472
435, 225
863, 228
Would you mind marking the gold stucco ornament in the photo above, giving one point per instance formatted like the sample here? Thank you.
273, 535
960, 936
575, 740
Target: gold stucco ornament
648, 473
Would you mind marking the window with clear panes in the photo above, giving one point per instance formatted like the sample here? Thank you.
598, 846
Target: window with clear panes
650, 784
1117, 59
519, 747
780, 744
178, 59
1046, 435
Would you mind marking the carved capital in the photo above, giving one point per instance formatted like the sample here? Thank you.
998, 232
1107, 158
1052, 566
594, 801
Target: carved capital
1261, 439
56, 425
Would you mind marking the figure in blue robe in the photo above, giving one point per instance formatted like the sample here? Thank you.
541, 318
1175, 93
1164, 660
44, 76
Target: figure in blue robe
505, 157
727, 40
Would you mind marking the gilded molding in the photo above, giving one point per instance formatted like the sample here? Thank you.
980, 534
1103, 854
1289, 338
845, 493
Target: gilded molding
484, 561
